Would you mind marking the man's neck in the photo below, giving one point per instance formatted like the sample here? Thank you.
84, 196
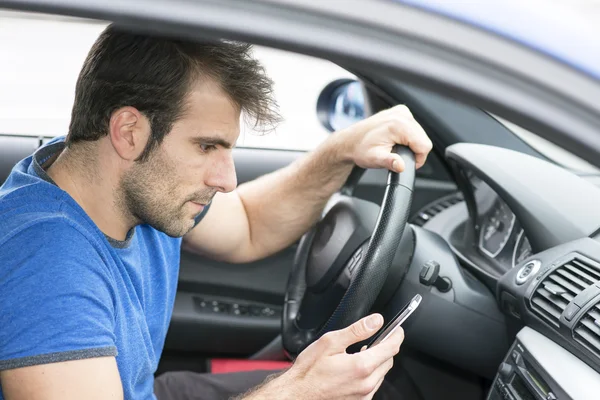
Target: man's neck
94, 187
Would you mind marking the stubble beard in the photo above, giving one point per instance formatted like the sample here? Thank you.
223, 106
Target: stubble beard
148, 194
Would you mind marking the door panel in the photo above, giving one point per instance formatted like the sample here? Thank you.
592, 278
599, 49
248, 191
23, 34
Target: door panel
256, 290
247, 312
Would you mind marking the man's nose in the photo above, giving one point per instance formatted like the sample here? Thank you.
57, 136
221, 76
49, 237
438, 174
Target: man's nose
222, 175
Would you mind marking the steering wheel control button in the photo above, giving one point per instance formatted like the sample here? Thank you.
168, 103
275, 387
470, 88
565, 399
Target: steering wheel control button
528, 270
429, 276
571, 310
355, 260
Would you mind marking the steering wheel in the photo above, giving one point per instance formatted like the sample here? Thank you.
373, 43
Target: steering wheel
342, 263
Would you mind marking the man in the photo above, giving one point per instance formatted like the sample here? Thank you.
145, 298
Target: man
92, 225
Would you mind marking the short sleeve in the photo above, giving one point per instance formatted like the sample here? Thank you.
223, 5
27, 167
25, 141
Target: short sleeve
56, 297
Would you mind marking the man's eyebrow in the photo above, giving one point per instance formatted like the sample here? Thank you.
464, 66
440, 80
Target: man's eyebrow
212, 140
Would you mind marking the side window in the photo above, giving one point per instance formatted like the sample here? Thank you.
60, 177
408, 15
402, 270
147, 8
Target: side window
298, 82
38, 85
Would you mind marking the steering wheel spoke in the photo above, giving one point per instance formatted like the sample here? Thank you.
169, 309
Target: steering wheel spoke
316, 308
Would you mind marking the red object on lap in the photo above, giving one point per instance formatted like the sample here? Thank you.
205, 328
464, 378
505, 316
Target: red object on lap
225, 365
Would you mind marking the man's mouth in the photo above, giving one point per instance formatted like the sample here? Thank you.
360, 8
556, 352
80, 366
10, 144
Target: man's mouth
200, 202
198, 206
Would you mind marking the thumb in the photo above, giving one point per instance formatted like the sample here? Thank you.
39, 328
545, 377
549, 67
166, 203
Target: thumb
358, 331
393, 162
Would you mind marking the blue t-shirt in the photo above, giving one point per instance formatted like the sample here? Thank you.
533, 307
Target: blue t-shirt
68, 292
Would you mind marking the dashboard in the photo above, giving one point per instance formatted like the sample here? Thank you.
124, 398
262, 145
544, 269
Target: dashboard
499, 235
481, 229
520, 246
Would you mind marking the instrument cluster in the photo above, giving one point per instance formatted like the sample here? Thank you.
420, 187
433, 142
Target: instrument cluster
499, 233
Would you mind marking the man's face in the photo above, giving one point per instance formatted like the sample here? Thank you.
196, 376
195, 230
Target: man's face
191, 165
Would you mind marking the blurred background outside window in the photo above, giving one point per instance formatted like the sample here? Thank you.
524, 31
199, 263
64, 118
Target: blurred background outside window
41, 57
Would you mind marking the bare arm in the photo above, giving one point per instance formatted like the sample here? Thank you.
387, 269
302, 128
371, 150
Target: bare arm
270, 213
266, 215
94, 378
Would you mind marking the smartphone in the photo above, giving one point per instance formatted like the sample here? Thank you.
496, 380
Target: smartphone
391, 326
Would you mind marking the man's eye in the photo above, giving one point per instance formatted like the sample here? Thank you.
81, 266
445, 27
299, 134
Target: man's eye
207, 147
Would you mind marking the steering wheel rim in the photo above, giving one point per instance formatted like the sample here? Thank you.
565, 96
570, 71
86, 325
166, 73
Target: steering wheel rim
370, 271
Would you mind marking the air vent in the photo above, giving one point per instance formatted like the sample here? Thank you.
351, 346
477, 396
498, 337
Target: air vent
560, 287
587, 330
432, 209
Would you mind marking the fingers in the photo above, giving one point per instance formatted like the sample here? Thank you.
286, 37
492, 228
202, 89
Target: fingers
382, 116
372, 364
338, 341
424, 145
372, 394
397, 163
407, 131
419, 143
327, 369
392, 161
368, 384
381, 131
385, 350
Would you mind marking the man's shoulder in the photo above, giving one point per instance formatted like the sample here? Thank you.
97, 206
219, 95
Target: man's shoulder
47, 234
24, 186
38, 218
47, 238
51, 253
37, 205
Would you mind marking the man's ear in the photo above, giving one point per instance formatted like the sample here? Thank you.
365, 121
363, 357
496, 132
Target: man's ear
129, 131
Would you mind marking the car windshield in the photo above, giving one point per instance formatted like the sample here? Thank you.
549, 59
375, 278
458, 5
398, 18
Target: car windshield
550, 150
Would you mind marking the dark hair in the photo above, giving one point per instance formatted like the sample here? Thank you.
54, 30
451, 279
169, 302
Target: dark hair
155, 74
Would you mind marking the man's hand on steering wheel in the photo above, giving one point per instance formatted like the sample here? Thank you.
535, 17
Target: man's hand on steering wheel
369, 142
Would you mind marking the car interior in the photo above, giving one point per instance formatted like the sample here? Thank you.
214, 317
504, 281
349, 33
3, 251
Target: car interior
502, 243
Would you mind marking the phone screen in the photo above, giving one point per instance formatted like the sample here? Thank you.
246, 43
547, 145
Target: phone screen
391, 326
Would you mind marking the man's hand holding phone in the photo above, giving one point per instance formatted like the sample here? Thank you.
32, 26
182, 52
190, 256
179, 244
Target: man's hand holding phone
324, 370
395, 322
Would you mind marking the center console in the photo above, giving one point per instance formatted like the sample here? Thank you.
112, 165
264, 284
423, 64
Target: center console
537, 368
520, 378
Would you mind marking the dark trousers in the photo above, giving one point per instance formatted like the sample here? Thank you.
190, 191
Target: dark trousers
193, 386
